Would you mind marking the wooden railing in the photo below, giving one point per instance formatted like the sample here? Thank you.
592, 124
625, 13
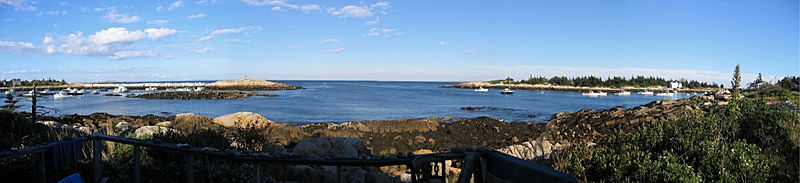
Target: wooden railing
479, 165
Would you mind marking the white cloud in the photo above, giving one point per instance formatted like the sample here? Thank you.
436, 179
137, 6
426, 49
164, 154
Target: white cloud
119, 55
218, 32
56, 12
329, 41
23, 71
15, 46
156, 34
309, 7
160, 22
295, 46
196, 16
204, 50
19, 5
175, 5
112, 43
335, 50
469, 52
382, 32
113, 17
352, 11
381, 5
273, 3
122, 35
160, 8
373, 21
442, 43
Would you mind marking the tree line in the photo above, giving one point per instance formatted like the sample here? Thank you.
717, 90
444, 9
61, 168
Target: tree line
616, 81
40, 82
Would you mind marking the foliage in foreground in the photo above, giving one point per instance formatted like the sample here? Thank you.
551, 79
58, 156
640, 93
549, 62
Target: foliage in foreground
748, 141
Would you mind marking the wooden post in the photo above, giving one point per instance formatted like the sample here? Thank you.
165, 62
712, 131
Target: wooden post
42, 168
98, 160
137, 166
258, 172
189, 168
33, 105
338, 173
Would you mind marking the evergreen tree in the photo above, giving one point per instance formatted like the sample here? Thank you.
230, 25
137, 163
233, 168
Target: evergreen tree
737, 78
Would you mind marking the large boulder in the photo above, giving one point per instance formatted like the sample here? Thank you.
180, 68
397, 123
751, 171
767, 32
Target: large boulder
123, 125
189, 122
150, 130
335, 147
242, 120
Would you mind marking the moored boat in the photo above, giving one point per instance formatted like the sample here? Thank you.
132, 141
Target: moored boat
623, 93
150, 89
61, 95
120, 89
649, 93
481, 89
507, 91
666, 94
594, 94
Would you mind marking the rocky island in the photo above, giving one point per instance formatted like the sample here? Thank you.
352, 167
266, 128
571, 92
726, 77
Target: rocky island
199, 95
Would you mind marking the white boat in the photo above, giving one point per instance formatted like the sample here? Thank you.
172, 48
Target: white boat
183, 89
150, 89
61, 95
667, 94
594, 94
507, 91
120, 89
7, 92
199, 88
44, 92
623, 93
29, 94
645, 93
71, 91
95, 92
481, 89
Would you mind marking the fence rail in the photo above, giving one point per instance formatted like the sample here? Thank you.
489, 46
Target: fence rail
477, 165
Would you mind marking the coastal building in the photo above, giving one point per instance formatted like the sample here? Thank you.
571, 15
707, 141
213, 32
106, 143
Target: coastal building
675, 85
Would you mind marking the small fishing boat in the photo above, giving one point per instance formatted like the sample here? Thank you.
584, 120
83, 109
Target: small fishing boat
623, 93
45, 92
481, 89
95, 92
120, 89
71, 91
649, 93
150, 89
183, 89
61, 95
7, 92
29, 94
666, 94
594, 94
507, 91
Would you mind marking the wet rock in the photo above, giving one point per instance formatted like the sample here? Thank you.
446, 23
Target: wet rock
199, 95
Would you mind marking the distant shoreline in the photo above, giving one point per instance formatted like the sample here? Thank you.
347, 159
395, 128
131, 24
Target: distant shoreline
475, 85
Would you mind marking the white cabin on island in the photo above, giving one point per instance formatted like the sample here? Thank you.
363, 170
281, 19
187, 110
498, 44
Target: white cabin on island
675, 85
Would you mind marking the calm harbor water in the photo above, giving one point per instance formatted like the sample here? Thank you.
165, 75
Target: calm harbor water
339, 101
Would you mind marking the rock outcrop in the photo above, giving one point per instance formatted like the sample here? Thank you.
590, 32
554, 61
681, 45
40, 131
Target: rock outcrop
199, 95
242, 120
148, 131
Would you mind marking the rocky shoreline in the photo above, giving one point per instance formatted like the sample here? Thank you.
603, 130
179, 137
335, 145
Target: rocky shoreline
397, 138
475, 85
387, 137
199, 95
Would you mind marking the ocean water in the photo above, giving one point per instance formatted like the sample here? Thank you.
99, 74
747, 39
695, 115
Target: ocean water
340, 101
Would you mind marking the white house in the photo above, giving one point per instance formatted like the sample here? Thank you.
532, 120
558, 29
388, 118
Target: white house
675, 85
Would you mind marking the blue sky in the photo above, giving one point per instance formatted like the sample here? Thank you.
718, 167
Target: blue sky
396, 40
